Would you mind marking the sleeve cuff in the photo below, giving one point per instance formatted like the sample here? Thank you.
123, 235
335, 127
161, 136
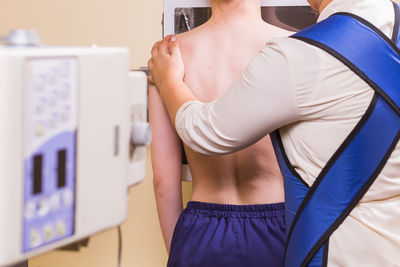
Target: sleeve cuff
180, 116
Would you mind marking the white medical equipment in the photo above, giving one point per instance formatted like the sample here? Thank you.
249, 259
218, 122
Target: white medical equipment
183, 15
72, 123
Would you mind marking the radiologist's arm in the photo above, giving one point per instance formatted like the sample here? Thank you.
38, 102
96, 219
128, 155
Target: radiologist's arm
166, 161
262, 100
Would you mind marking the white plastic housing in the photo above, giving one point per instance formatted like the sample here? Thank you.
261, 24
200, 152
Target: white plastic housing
101, 149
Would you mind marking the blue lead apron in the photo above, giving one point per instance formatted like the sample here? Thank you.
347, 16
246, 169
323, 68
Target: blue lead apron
314, 213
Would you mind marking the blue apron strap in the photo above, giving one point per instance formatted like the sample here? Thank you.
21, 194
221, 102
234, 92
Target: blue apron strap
293, 183
396, 29
342, 183
375, 51
359, 160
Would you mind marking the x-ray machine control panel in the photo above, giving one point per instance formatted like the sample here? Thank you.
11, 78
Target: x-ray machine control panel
50, 126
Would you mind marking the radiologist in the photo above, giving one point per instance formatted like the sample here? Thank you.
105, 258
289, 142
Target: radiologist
330, 98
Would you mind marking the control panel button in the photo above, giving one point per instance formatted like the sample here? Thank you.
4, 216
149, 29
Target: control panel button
39, 109
34, 238
68, 198
65, 91
65, 114
61, 228
39, 87
44, 207
53, 101
41, 105
64, 69
39, 130
52, 123
52, 74
48, 233
30, 210
55, 202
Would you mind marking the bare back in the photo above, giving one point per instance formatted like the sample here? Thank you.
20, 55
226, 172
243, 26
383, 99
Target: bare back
214, 57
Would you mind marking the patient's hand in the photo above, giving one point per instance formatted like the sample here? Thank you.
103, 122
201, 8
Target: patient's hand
166, 64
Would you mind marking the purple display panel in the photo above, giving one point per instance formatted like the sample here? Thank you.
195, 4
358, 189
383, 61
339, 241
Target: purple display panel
49, 212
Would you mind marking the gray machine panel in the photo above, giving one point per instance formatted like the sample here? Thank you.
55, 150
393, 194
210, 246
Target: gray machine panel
293, 15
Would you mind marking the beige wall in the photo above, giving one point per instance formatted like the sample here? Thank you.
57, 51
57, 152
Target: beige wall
129, 23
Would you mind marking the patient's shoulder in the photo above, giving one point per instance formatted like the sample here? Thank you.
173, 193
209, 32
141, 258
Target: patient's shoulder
195, 45
271, 31
191, 39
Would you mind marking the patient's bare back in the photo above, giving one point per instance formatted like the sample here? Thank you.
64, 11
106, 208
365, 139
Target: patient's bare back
215, 55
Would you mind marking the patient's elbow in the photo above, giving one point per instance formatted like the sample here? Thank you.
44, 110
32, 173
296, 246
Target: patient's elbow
165, 186
157, 182
160, 184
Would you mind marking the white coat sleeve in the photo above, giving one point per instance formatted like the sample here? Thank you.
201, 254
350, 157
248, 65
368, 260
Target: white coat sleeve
262, 100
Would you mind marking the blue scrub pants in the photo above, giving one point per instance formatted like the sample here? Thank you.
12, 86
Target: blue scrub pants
217, 235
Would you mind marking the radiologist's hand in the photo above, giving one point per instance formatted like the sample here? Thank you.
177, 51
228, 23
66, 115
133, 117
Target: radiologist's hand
166, 64
167, 73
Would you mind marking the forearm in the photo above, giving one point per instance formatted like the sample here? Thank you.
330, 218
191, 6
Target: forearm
169, 208
166, 162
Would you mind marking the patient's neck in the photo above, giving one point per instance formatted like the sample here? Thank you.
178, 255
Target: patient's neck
230, 12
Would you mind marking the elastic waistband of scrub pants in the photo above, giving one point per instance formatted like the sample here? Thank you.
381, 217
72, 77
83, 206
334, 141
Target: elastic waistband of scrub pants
229, 210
